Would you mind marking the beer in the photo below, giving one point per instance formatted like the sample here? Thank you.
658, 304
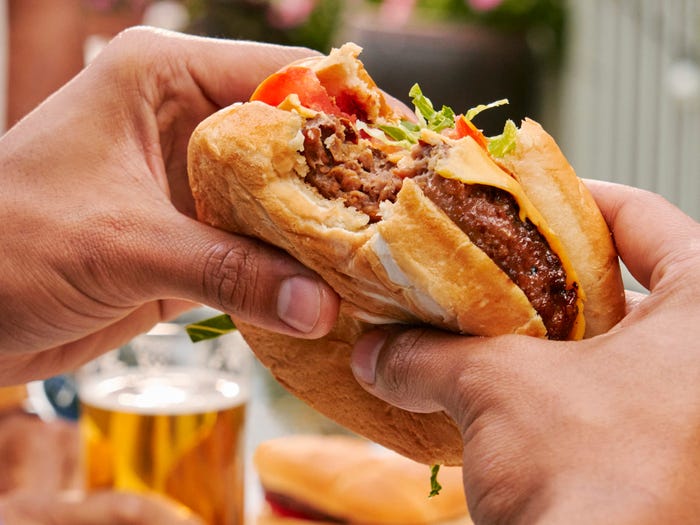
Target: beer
175, 431
12, 396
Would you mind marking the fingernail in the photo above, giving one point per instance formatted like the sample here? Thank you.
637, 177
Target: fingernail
299, 303
365, 353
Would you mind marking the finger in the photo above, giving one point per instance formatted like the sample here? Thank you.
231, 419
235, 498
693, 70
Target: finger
225, 70
650, 233
116, 508
425, 371
397, 368
256, 283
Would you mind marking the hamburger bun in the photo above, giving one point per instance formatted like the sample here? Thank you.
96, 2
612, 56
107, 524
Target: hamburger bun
249, 166
354, 481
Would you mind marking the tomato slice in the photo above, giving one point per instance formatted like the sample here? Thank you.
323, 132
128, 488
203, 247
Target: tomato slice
301, 81
288, 507
465, 128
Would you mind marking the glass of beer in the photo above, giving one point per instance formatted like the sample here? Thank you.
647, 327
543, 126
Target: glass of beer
166, 415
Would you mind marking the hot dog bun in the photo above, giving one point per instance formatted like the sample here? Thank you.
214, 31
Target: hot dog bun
247, 171
352, 480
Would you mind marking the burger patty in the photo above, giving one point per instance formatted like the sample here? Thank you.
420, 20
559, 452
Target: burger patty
343, 166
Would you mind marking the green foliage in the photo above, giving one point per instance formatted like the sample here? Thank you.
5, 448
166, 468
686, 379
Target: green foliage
210, 328
250, 20
542, 21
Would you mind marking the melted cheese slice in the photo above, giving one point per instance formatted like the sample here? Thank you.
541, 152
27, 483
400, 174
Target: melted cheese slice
469, 163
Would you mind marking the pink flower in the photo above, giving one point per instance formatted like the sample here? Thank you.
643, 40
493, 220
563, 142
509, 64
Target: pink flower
289, 13
483, 5
396, 13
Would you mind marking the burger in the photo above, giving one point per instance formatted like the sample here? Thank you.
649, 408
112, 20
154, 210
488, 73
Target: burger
343, 479
416, 221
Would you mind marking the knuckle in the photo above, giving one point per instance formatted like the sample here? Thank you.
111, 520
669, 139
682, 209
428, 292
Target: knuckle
123, 59
231, 276
500, 497
397, 366
134, 37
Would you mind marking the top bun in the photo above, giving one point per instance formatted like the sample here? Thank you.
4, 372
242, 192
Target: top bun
357, 482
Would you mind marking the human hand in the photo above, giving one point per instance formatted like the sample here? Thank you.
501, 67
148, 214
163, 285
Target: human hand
98, 508
605, 430
99, 240
40, 477
36, 455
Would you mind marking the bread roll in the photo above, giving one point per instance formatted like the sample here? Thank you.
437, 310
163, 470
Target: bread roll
354, 481
411, 263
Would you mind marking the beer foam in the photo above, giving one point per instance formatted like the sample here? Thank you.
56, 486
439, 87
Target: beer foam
164, 391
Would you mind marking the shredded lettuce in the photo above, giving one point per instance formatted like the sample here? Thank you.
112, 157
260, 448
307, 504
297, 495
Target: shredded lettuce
473, 112
210, 328
435, 486
433, 120
407, 132
501, 145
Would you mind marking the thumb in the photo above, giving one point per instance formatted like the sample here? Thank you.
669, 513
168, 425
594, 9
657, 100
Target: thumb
425, 370
255, 282
651, 234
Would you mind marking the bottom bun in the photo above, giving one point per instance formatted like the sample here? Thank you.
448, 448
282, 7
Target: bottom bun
318, 372
351, 480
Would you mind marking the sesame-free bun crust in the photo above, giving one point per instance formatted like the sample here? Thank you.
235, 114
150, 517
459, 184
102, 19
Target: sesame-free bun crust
358, 482
552, 186
318, 372
413, 267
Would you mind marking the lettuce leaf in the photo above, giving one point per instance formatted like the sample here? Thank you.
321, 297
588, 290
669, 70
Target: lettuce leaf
407, 132
432, 119
210, 328
435, 486
473, 112
501, 145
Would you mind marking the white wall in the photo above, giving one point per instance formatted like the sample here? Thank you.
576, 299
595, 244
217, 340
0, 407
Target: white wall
631, 95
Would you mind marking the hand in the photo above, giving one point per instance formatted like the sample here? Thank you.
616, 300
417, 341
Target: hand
99, 240
40, 476
605, 430
36, 455
99, 508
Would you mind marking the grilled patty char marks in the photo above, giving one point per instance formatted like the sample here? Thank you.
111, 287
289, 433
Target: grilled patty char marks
342, 165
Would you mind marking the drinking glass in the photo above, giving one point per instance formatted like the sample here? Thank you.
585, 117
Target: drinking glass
167, 415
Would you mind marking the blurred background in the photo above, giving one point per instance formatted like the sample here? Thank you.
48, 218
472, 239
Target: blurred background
617, 82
